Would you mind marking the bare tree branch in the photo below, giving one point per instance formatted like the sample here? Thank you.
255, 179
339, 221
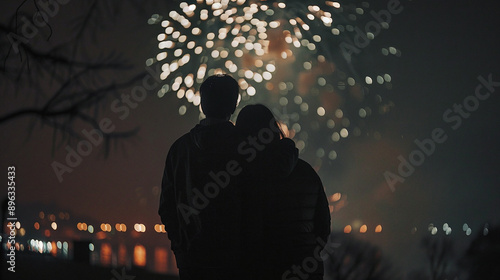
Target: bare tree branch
67, 81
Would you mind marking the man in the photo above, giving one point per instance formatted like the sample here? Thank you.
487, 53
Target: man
200, 203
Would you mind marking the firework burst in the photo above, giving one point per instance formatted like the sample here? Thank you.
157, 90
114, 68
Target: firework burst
283, 54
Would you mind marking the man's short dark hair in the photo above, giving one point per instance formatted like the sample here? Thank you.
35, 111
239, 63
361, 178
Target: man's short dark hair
219, 94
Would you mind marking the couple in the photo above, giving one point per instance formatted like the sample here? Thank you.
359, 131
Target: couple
236, 201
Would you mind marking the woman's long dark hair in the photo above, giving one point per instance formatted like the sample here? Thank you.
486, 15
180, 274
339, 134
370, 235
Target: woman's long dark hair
255, 118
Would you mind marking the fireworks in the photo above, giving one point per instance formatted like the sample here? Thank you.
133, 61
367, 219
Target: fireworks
284, 54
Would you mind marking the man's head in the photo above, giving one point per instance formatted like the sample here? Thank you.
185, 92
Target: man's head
219, 94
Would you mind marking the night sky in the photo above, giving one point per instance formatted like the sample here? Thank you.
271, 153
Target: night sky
445, 45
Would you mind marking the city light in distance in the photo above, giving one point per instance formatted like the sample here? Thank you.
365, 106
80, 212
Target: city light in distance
347, 229
121, 227
363, 229
160, 228
106, 227
82, 226
140, 227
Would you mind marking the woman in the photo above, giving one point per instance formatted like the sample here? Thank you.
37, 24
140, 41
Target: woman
294, 214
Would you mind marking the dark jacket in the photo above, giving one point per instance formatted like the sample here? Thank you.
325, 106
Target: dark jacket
206, 200
296, 225
272, 164
200, 201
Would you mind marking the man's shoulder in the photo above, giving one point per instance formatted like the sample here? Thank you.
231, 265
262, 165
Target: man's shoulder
183, 139
181, 143
225, 132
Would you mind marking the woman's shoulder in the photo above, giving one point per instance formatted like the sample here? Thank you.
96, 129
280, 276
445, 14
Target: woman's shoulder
304, 166
304, 169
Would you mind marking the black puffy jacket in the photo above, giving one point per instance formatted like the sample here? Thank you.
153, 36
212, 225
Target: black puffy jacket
296, 225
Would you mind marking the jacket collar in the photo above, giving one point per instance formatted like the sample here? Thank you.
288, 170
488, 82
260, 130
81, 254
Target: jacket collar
212, 121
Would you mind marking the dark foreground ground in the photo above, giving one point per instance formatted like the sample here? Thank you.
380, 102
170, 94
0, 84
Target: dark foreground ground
37, 266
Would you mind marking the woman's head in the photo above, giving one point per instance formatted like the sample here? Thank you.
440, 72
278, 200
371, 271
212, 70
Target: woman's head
258, 120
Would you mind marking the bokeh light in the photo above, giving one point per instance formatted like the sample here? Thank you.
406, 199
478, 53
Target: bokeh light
286, 55
347, 229
363, 229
